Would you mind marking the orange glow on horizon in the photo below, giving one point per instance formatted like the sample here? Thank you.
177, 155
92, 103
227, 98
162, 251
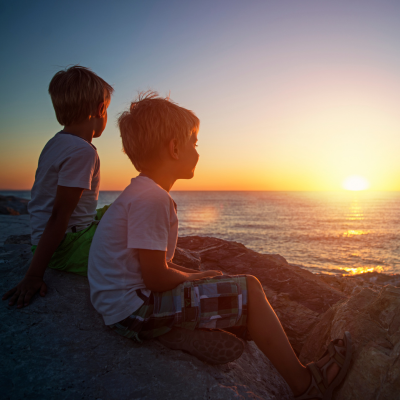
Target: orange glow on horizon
300, 98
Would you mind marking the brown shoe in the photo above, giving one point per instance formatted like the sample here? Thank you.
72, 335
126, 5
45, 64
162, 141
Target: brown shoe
341, 355
213, 347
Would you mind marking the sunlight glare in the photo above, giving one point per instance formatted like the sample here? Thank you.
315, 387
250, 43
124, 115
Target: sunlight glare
351, 233
362, 270
202, 216
355, 183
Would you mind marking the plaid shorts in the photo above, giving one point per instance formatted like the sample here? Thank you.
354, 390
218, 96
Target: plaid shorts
216, 303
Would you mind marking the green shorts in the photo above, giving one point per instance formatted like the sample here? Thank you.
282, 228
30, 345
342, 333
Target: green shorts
73, 252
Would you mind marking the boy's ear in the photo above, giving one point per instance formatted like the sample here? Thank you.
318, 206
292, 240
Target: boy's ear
101, 109
173, 149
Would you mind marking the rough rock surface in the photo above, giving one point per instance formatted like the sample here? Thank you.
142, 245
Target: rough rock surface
271, 269
187, 259
11, 205
373, 318
59, 348
297, 296
18, 239
13, 225
359, 304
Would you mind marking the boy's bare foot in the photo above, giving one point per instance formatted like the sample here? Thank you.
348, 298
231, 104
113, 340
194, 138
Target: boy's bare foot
335, 363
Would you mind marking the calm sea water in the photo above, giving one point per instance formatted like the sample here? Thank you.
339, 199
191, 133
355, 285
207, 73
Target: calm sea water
331, 232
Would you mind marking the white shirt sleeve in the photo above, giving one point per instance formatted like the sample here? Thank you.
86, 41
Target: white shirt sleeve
78, 168
149, 223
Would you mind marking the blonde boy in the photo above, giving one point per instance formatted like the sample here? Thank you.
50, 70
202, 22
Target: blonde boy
142, 294
64, 196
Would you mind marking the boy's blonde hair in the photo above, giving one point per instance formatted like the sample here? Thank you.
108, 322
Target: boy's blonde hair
76, 92
151, 122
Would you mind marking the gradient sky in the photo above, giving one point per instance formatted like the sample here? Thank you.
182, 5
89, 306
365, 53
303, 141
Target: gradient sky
291, 95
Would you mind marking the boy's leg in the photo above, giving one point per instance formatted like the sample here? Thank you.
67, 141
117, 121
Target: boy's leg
179, 307
268, 334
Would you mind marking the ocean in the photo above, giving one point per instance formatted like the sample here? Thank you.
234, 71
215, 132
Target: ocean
329, 232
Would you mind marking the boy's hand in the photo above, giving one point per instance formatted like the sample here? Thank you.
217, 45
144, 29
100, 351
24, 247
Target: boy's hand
158, 277
24, 291
65, 202
211, 273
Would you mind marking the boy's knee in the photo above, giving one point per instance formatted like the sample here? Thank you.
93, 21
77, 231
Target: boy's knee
255, 292
253, 283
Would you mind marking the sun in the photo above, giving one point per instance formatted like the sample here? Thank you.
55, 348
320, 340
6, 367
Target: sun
355, 183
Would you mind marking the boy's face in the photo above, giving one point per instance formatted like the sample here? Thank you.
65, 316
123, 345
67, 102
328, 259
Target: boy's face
102, 118
188, 158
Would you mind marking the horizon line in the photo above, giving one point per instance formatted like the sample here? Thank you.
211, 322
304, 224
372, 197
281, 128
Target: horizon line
236, 190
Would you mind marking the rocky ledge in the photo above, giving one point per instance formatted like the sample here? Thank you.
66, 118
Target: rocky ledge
59, 348
11, 205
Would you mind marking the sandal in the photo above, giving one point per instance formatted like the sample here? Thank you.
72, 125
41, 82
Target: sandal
214, 347
319, 379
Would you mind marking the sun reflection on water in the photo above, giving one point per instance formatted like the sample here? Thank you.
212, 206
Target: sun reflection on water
354, 232
347, 232
355, 218
356, 212
202, 216
362, 270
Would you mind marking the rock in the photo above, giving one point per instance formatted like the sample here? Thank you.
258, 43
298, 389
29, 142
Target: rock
60, 345
272, 270
296, 319
373, 319
352, 284
18, 239
187, 258
358, 304
348, 284
12, 205
59, 348
297, 296
13, 225
378, 278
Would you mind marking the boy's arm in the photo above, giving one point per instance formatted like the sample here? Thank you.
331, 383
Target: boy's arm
183, 269
65, 203
159, 277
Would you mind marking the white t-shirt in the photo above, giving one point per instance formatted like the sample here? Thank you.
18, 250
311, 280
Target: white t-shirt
66, 160
142, 217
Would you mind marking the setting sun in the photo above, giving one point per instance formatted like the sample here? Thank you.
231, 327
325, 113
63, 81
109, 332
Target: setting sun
355, 183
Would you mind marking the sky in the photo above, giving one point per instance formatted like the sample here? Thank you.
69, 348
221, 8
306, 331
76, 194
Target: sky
291, 95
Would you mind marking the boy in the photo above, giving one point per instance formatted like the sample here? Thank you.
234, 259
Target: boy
65, 192
142, 295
